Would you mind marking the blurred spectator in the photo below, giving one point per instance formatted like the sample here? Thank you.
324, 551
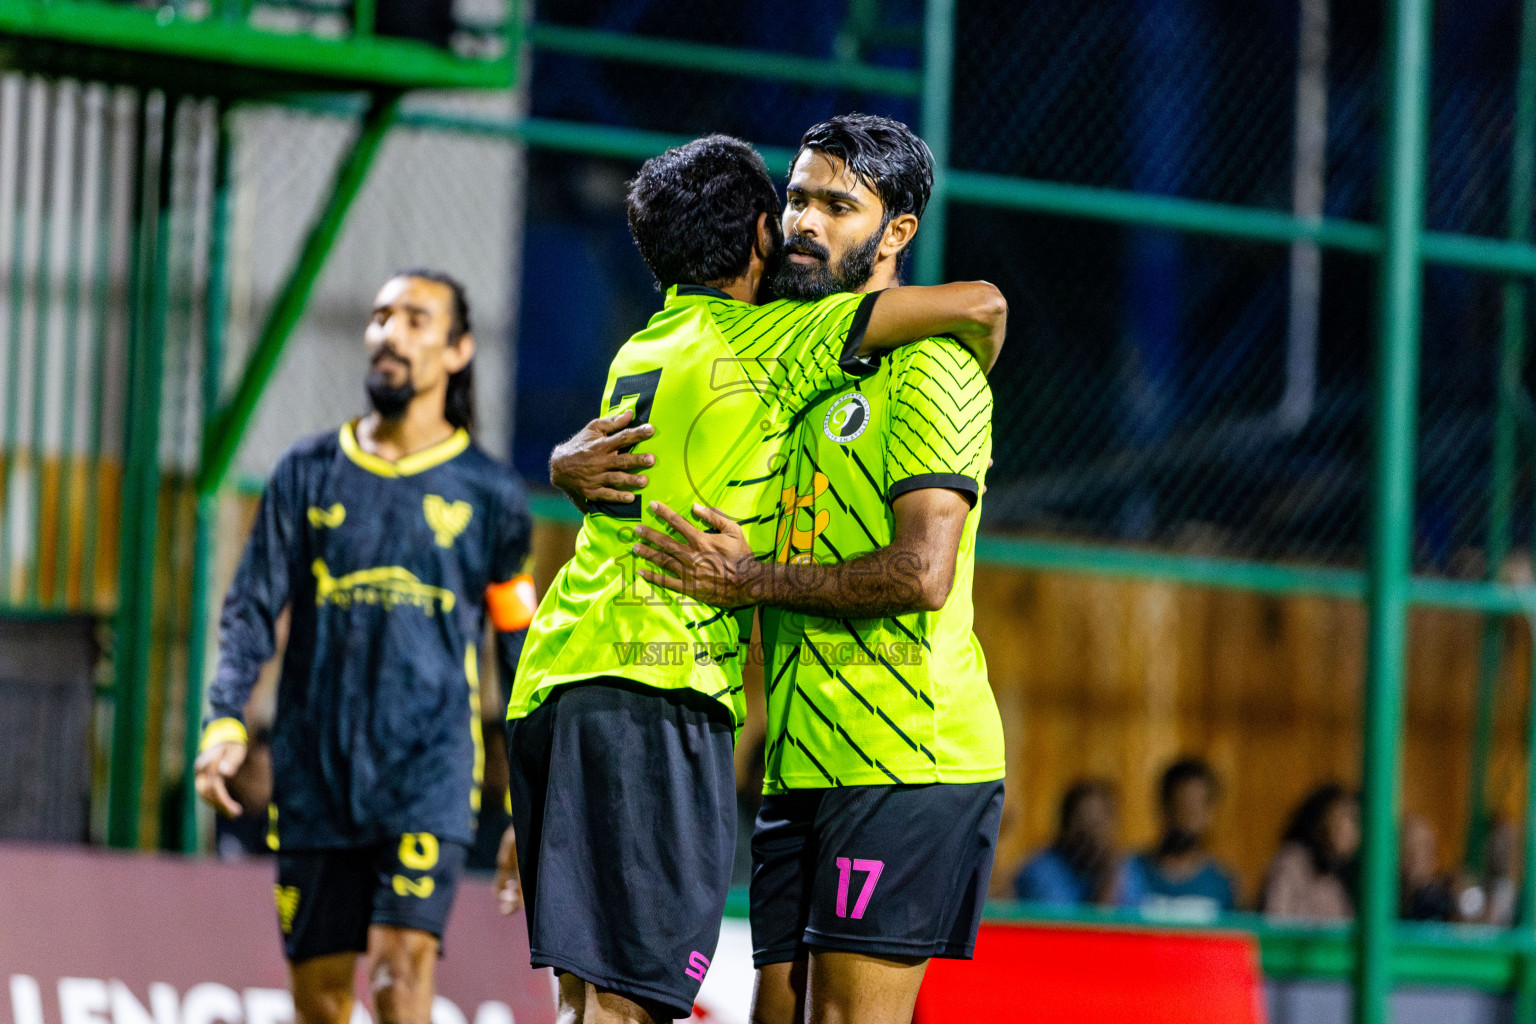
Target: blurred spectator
1083, 865
1494, 898
1424, 892
251, 787
1312, 876
1179, 877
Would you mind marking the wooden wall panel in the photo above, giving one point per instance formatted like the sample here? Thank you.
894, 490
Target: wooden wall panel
1114, 678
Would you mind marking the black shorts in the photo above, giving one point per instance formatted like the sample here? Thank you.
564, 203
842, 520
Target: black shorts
326, 899
624, 801
886, 870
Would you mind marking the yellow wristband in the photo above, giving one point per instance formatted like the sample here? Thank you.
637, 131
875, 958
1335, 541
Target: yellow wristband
223, 730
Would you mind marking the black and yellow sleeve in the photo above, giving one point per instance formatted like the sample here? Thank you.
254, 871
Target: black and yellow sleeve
941, 421
260, 590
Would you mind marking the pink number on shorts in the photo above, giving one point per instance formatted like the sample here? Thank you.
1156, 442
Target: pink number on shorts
845, 870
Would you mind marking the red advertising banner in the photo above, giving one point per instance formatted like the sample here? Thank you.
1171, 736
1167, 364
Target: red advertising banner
88, 937
1075, 975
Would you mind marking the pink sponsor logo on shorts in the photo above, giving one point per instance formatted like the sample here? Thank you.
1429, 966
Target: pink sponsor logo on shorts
698, 963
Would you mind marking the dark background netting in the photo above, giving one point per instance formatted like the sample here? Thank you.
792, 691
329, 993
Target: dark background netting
1137, 399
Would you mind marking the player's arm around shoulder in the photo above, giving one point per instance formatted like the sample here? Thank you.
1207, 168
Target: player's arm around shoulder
939, 441
974, 313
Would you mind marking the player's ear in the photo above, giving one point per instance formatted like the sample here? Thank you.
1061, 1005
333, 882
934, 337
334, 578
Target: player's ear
898, 234
458, 355
767, 241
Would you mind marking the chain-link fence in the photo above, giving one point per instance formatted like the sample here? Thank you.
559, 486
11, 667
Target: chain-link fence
1160, 388
432, 199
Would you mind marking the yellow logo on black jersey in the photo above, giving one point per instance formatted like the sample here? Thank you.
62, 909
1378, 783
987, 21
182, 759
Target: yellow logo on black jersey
327, 517
287, 899
447, 519
388, 586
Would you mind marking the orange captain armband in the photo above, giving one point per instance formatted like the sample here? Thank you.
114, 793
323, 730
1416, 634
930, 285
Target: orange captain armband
511, 604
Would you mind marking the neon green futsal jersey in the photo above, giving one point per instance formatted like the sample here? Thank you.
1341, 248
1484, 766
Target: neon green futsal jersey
905, 699
721, 381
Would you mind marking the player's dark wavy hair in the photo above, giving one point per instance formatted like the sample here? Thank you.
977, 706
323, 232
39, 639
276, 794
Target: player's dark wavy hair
885, 155
459, 403
693, 210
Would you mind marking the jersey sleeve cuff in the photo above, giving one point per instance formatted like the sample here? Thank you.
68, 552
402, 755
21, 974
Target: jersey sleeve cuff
851, 362
223, 730
949, 481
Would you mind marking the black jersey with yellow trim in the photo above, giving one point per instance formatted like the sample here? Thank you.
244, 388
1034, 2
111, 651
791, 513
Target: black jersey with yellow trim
384, 567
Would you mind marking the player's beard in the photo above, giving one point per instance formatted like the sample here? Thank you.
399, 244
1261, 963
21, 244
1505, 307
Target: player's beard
811, 281
390, 400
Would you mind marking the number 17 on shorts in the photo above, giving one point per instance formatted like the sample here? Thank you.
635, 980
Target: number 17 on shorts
845, 869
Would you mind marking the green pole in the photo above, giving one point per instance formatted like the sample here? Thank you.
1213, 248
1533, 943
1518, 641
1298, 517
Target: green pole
1525, 985
101, 315
937, 99
215, 318
843, 72
362, 18
68, 459
12, 452
141, 499
1522, 184
222, 437
1392, 491
50, 208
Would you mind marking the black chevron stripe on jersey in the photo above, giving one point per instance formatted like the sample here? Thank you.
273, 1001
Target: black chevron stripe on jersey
843, 505
788, 660
957, 439
871, 708
835, 727
812, 758
914, 691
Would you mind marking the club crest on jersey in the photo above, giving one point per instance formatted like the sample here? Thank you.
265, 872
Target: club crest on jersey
847, 418
447, 519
